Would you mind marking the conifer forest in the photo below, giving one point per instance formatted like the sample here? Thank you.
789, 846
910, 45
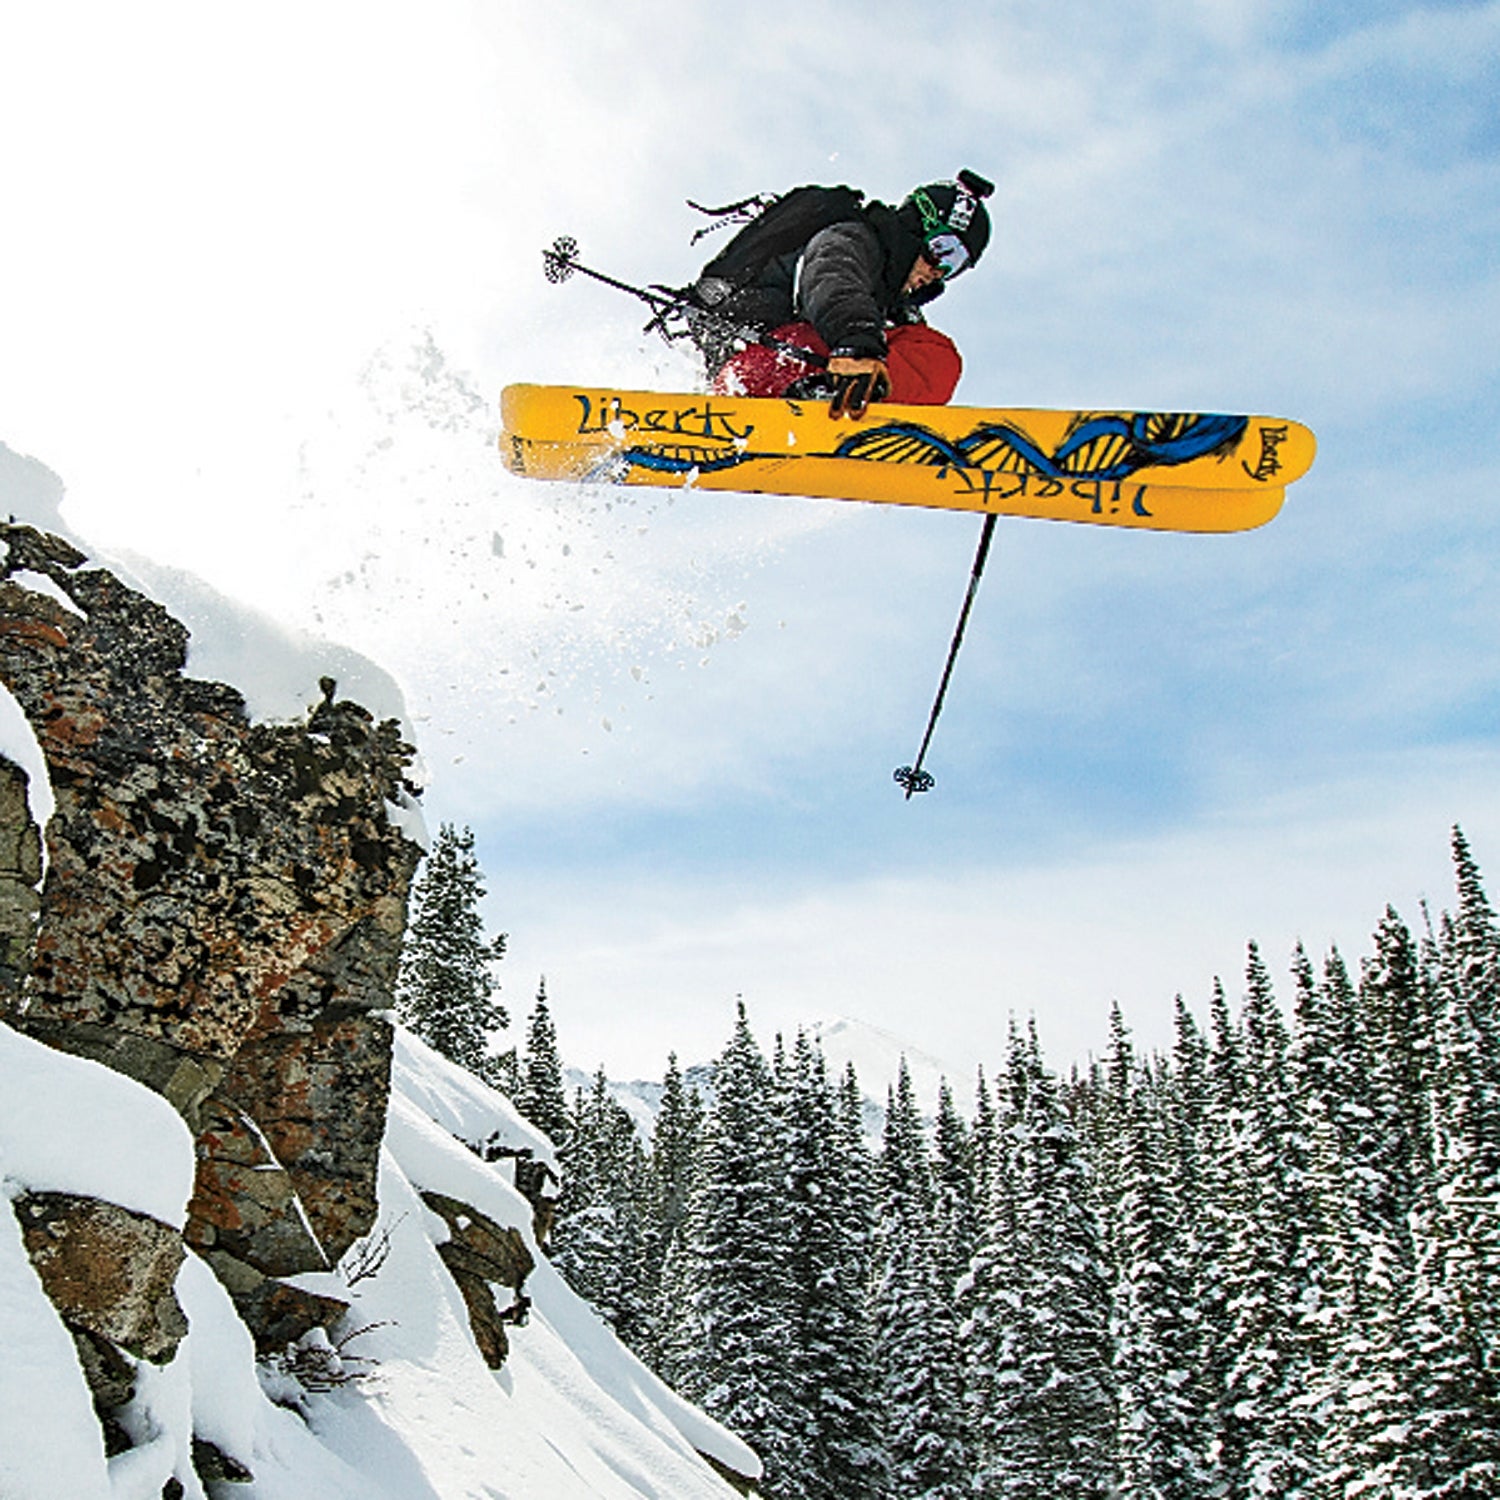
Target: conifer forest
1266, 1263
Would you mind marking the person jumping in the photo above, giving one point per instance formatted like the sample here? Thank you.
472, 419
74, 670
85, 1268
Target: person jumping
822, 270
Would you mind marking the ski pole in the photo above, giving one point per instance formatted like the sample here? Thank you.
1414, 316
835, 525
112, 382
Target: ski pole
913, 777
560, 261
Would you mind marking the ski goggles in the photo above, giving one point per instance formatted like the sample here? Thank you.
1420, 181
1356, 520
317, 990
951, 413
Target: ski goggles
942, 245
948, 253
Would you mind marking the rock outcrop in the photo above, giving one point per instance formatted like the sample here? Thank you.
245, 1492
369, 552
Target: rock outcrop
221, 916
108, 1271
20, 876
481, 1255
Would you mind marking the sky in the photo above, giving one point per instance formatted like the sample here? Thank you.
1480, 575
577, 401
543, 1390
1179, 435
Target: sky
266, 271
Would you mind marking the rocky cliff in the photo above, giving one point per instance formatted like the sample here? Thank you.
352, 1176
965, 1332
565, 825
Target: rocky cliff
220, 918
215, 911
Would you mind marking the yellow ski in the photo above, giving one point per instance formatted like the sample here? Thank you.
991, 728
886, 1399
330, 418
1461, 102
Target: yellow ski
1158, 471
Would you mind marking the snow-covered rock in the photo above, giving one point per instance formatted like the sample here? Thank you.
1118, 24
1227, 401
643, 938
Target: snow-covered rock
219, 922
418, 1415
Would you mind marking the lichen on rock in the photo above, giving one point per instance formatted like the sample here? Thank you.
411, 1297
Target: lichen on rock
107, 1270
221, 915
20, 875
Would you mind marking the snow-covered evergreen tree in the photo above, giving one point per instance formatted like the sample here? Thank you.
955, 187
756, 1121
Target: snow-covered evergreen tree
675, 1140
1365, 1196
729, 1275
983, 1145
598, 1242
1467, 1103
1192, 1176
674, 1143
955, 1204
1330, 1126
829, 1358
1041, 1378
1258, 1438
1155, 1338
1455, 1438
972, 1291
860, 1173
1395, 1014
540, 1094
447, 990
919, 1379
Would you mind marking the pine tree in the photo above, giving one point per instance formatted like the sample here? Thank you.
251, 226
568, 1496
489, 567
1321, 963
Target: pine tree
829, 1358
955, 1202
1328, 1065
1221, 1120
1456, 1431
859, 1183
1101, 1111
919, 1383
1467, 1103
675, 1142
1041, 1378
446, 990
730, 1279
598, 1241
1187, 1104
1332, 1134
984, 1145
1395, 1009
1126, 1113
1261, 1455
1366, 1198
973, 1287
1193, 1176
540, 1095
1154, 1333
996, 1283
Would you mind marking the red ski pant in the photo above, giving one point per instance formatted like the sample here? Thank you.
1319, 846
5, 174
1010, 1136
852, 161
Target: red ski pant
924, 364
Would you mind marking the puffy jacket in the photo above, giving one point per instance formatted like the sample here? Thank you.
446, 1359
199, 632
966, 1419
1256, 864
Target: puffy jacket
850, 284
847, 282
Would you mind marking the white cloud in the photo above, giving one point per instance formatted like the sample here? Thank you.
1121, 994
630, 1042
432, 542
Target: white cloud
945, 956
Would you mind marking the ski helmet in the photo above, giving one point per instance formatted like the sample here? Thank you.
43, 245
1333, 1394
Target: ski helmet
952, 221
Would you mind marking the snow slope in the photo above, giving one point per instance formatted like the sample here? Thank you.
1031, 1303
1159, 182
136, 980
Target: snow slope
70, 1126
572, 1413
276, 668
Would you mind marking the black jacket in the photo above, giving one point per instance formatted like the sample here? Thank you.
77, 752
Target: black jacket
846, 282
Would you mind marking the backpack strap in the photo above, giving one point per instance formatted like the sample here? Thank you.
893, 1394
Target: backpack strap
775, 225
732, 213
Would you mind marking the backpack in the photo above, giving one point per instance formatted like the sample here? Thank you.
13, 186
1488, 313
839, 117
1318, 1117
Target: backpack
778, 225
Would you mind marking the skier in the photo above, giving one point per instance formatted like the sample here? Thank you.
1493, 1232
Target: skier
851, 291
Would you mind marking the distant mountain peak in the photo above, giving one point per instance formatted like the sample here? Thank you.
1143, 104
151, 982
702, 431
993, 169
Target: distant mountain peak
875, 1053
